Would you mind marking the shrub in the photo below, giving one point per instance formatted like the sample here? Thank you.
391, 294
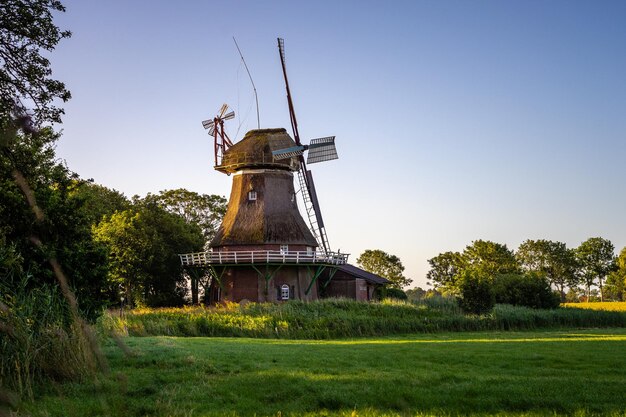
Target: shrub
528, 290
394, 293
477, 295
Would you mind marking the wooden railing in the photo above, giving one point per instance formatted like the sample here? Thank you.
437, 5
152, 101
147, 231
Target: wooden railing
262, 256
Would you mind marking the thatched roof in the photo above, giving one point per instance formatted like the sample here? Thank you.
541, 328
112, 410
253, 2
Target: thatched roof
273, 218
255, 151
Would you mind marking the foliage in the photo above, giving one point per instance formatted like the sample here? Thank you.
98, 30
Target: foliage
616, 280
596, 260
385, 265
203, 210
415, 294
198, 210
394, 293
615, 286
39, 340
42, 219
529, 290
143, 244
482, 257
100, 201
488, 259
476, 294
444, 271
527, 374
551, 259
27, 29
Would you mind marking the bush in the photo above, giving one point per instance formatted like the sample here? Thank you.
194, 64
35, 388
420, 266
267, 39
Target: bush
394, 293
477, 295
528, 290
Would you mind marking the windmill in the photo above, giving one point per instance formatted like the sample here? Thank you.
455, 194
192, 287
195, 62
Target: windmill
264, 250
319, 150
216, 129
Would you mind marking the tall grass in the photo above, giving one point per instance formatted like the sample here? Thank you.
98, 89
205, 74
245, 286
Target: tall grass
337, 318
39, 339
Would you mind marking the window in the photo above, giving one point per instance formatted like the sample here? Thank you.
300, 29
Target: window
284, 249
251, 195
284, 292
309, 250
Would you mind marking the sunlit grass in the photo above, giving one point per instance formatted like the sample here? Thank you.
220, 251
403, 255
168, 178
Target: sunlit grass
606, 306
580, 372
336, 318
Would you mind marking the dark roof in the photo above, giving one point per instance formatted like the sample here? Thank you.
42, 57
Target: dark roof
363, 274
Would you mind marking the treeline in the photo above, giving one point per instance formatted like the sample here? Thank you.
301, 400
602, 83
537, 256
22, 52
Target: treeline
589, 272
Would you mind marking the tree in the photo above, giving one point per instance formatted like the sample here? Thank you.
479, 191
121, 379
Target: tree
616, 280
26, 28
416, 294
476, 293
550, 259
100, 201
596, 257
385, 265
445, 269
489, 259
530, 290
144, 243
42, 219
533, 255
204, 210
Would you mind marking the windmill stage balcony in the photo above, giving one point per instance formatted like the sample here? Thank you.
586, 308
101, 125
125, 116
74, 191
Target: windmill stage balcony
262, 257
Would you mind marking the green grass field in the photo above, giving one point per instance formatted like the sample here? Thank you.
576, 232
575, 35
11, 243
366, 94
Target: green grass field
581, 372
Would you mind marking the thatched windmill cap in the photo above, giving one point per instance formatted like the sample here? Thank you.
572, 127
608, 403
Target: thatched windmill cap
255, 151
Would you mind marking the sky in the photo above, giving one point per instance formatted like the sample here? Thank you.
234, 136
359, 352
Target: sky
454, 120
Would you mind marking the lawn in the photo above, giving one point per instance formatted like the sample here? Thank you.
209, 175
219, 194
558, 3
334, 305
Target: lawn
579, 372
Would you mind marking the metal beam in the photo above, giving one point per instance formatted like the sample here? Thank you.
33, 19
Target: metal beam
319, 271
330, 278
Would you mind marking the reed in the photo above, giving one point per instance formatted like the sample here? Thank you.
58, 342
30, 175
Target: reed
341, 318
39, 339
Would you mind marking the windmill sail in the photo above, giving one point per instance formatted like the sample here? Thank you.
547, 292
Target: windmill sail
311, 205
322, 149
288, 152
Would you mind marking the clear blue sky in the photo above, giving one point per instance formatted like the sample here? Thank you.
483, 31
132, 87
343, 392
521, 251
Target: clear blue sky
455, 121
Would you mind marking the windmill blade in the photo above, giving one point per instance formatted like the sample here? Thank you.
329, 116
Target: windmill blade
322, 149
315, 143
288, 152
207, 123
314, 201
281, 48
212, 131
223, 110
229, 115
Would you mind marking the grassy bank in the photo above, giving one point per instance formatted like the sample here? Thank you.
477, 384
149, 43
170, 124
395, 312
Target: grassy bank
486, 373
330, 319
